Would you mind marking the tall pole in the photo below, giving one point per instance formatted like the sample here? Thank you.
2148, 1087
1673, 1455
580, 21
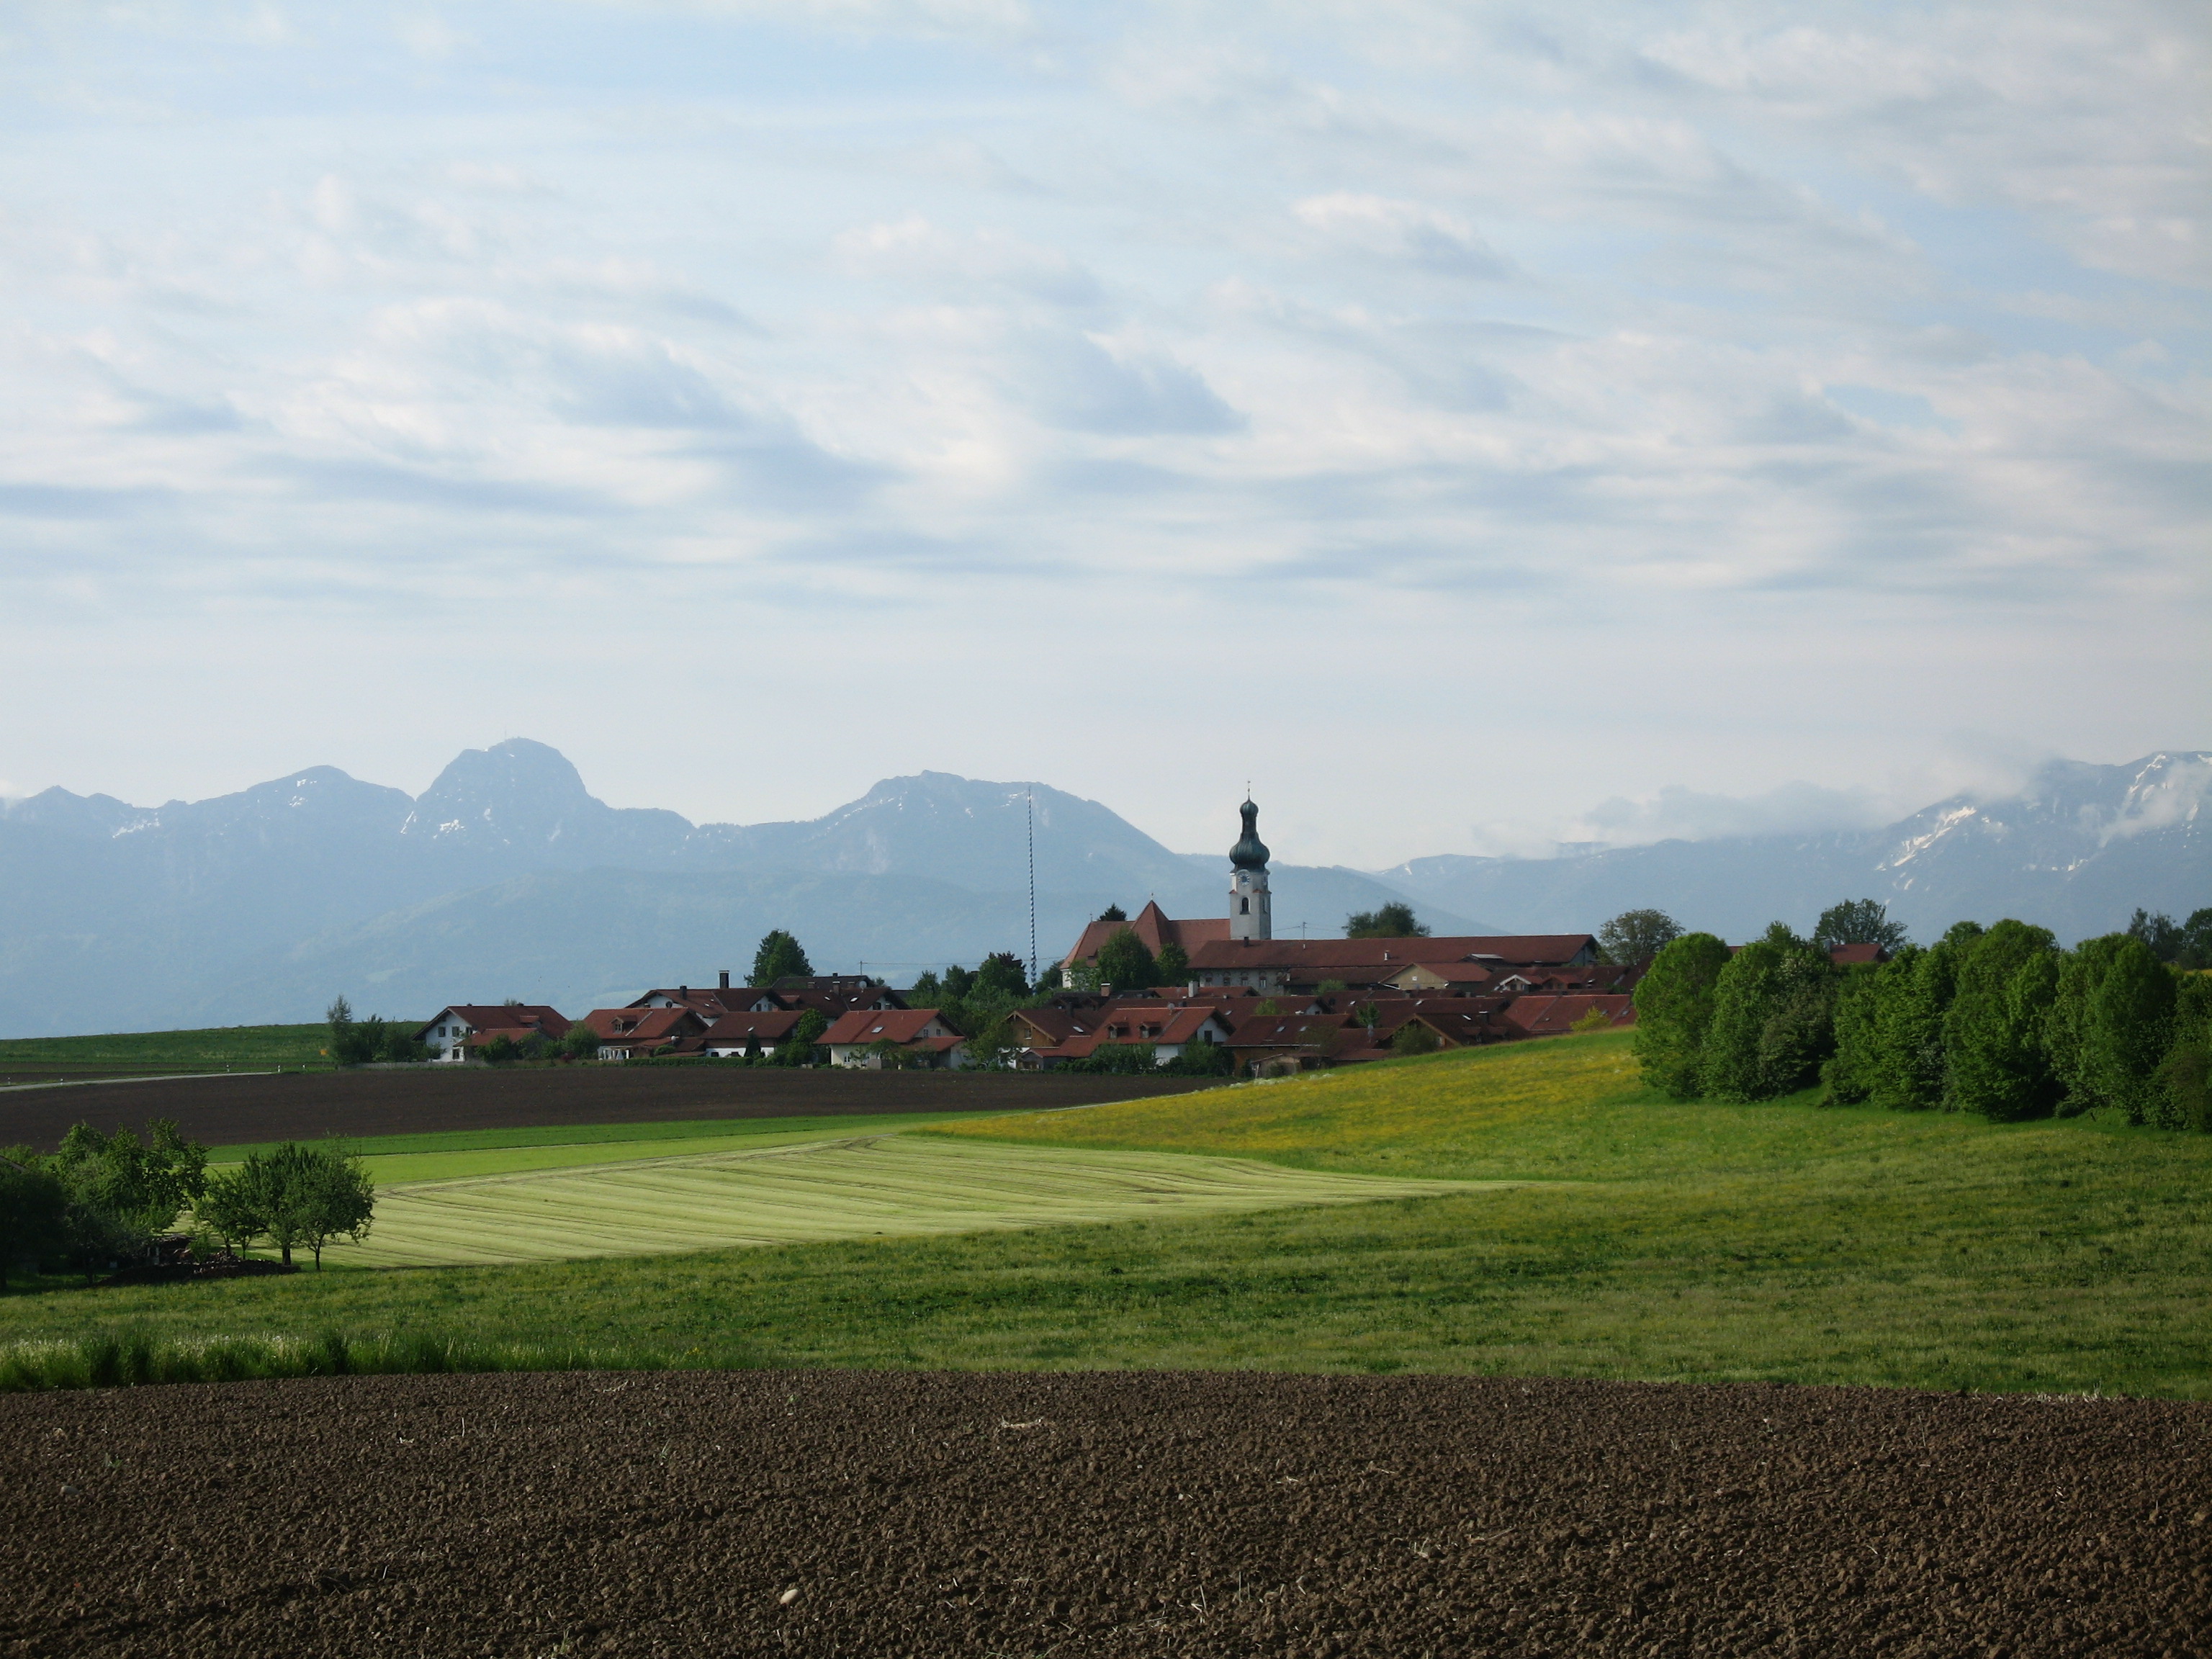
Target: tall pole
1032, 823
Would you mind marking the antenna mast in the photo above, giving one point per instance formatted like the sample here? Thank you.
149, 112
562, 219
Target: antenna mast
1031, 791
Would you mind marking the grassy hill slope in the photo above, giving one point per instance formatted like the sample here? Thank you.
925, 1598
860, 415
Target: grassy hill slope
1699, 1242
128, 1054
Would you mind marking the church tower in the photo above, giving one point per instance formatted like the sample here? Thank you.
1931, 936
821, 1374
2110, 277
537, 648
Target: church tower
1249, 916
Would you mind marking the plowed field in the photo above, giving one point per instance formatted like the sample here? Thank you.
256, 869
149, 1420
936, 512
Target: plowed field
229, 1111
871, 1514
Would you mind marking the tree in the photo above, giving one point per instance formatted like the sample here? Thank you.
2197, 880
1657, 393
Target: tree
1174, 966
1000, 976
1914, 998
123, 1193
2111, 1026
1113, 913
1998, 1063
2184, 944
1634, 935
1772, 1019
501, 1049
1674, 1007
2186, 1072
33, 1212
582, 1043
295, 1196
780, 957
1392, 920
340, 1012
1413, 1037
1857, 921
1124, 962
797, 1048
1854, 1072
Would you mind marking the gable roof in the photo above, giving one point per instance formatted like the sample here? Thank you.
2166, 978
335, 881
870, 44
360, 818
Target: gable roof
642, 1025
866, 1025
769, 1029
1155, 929
1332, 957
1543, 1016
492, 1019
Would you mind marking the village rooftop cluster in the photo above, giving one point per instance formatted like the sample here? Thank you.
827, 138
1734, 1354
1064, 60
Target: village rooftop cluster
1218, 994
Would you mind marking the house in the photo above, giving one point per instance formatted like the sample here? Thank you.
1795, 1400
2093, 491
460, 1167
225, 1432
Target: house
463, 1029
635, 1033
1293, 1041
1169, 1029
1549, 1016
831, 993
1850, 955
711, 1005
734, 1036
1295, 965
852, 1036
1155, 930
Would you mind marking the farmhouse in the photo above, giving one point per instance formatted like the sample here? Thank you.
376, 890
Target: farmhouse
864, 1036
462, 1028
634, 1033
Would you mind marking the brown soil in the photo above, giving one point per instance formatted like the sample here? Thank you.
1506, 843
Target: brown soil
229, 1111
874, 1514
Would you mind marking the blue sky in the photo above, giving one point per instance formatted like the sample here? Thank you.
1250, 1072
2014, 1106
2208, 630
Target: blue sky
1478, 426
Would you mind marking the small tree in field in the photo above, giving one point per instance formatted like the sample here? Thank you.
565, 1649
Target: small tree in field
294, 1196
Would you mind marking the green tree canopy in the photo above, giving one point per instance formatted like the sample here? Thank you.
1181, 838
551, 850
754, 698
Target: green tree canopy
1392, 920
780, 957
2184, 944
1997, 1061
1125, 964
1172, 967
1674, 1007
1001, 976
1113, 913
2112, 1025
122, 1193
296, 1196
1772, 1019
1635, 935
1857, 921
33, 1212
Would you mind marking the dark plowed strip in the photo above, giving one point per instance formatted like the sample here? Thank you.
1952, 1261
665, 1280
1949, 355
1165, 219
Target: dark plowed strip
229, 1111
1142, 1514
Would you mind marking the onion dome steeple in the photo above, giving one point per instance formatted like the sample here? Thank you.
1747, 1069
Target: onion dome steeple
1250, 853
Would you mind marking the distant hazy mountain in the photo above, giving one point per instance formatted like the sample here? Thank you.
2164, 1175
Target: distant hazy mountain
507, 878
2076, 851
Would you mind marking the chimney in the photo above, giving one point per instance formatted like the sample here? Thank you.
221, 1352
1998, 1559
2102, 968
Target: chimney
725, 979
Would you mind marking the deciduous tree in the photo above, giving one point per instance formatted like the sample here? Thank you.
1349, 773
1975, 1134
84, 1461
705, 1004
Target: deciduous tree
1674, 1007
1857, 921
1391, 920
1635, 935
780, 957
1997, 1058
1124, 962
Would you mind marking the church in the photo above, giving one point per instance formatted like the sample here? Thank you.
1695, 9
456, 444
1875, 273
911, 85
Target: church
1240, 950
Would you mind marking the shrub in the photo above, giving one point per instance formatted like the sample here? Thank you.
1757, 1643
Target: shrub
1998, 1063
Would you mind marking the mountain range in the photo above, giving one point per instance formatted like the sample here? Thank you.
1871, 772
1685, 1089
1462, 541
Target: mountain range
507, 878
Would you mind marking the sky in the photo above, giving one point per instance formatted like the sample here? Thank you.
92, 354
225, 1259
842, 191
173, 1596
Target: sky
1477, 427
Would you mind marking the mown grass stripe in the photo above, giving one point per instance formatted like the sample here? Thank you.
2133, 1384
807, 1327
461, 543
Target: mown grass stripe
875, 1186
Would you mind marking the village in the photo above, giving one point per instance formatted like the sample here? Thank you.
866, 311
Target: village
1216, 995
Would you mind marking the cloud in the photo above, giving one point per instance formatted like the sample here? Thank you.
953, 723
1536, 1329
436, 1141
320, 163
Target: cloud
1675, 813
913, 250
1383, 229
2177, 794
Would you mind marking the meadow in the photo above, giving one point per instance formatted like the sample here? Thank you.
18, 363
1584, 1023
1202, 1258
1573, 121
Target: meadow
128, 1054
1646, 1239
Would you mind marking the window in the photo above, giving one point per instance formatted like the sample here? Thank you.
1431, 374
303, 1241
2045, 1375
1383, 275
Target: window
1244, 907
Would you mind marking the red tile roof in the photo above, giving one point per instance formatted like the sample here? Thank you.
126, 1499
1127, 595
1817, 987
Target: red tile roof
642, 1027
865, 1026
494, 1018
1543, 1016
1155, 929
768, 1030
1323, 958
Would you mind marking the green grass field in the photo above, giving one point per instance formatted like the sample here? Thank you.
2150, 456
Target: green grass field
792, 1190
1650, 1240
234, 1047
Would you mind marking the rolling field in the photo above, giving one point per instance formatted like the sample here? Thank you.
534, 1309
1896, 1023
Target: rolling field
1650, 1240
129, 1053
804, 1190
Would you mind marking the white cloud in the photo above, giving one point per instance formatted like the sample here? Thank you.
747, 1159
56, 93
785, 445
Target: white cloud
1425, 236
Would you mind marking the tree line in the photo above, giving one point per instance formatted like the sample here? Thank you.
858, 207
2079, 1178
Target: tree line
101, 1202
2001, 1021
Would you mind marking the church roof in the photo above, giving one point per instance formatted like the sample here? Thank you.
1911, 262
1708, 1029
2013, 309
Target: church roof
1155, 929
